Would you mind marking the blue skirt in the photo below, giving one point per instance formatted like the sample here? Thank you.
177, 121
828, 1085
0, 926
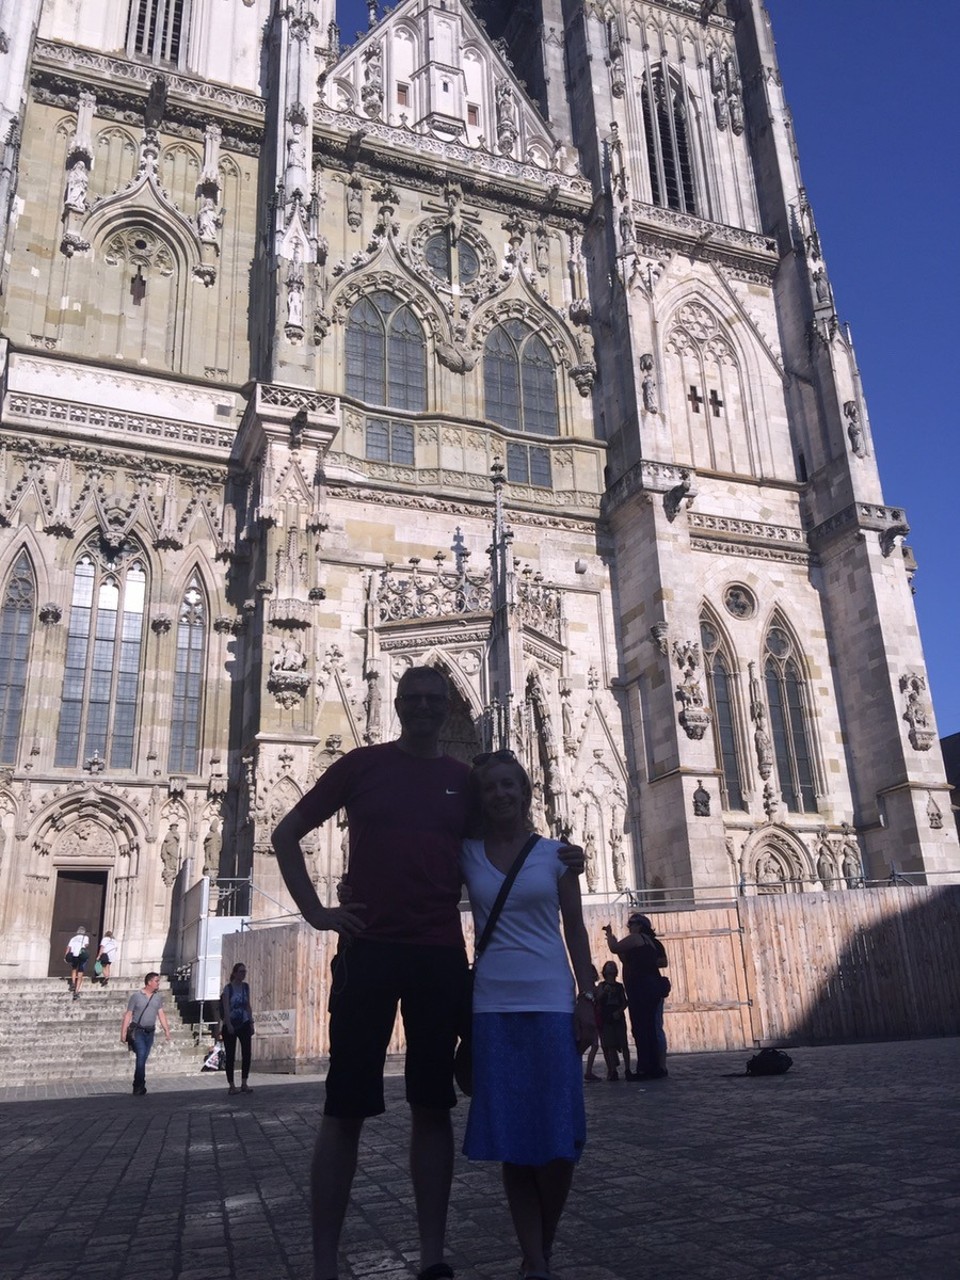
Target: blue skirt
527, 1104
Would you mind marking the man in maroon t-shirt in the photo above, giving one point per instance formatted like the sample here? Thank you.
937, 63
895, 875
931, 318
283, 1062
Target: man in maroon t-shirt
400, 942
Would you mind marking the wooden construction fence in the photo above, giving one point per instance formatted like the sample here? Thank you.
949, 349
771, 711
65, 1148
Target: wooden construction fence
879, 963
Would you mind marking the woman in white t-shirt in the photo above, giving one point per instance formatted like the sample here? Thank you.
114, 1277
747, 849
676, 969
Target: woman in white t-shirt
528, 1027
105, 956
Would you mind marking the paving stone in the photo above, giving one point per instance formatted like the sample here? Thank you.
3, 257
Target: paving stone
844, 1169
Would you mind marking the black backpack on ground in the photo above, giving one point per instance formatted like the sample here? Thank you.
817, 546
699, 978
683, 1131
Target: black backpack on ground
769, 1062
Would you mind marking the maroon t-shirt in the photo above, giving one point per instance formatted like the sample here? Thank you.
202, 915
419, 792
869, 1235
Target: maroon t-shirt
407, 817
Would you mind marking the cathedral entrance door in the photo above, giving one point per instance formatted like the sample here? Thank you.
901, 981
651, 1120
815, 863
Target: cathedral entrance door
80, 899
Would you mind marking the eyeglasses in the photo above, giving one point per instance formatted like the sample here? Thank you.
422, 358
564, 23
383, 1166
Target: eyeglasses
431, 699
486, 756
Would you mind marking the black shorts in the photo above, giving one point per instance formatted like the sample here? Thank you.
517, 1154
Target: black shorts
368, 980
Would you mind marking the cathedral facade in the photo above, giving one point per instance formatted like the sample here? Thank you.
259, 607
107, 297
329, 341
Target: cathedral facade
503, 341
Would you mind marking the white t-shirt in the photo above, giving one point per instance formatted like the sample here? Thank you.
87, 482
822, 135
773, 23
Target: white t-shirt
524, 967
108, 948
79, 942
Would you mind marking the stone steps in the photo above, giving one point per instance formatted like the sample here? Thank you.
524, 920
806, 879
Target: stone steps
46, 1035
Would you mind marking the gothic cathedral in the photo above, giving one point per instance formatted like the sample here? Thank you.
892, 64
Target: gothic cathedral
500, 340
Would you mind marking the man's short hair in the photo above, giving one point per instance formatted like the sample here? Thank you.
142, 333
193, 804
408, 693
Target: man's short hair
423, 673
150, 976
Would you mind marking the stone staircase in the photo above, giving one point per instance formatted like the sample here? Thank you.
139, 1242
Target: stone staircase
46, 1035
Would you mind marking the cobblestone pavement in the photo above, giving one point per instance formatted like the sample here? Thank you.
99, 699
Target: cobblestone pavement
846, 1167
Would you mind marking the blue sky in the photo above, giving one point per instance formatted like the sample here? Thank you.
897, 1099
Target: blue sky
872, 85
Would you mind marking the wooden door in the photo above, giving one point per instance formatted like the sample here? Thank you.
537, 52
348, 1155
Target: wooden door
80, 899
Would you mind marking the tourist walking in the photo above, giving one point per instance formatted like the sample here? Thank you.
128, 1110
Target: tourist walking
144, 1010
105, 956
237, 1027
529, 1026
76, 955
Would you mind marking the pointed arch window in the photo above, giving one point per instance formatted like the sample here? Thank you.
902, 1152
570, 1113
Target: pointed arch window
520, 380
666, 125
17, 611
188, 682
101, 682
721, 678
386, 354
789, 722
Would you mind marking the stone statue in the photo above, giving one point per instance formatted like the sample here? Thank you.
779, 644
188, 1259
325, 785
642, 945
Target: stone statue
212, 849
289, 657
770, 876
826, 871
626, 226
852, 871
170, 854
619, 860
541, 249
208, 221
651, 399
77, 179
854, 428
294, 305
701, 801
508, 125
591, 871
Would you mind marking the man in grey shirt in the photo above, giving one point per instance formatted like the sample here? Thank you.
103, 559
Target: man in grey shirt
144, 1010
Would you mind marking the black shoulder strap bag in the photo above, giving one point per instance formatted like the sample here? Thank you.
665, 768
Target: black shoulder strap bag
463, 1061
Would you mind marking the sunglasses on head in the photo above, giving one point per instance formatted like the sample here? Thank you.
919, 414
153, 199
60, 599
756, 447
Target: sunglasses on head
486, 756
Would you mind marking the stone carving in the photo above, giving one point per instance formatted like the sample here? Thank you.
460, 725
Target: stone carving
651, 397
725, 86
371, 92
758, 714
739, 601
209, 221
423, 594
289, 657
508, 123
826, 869
618, 858
78, 176
694, 715
590, 868
49, 614
854, 428
354, 204
679, 495
660, 635
541, 248
934, 815
288, 680
212, 850
372, 705
852, 870
294, 283
701, 801
625, 223
170, 854
770, 875
918, 712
